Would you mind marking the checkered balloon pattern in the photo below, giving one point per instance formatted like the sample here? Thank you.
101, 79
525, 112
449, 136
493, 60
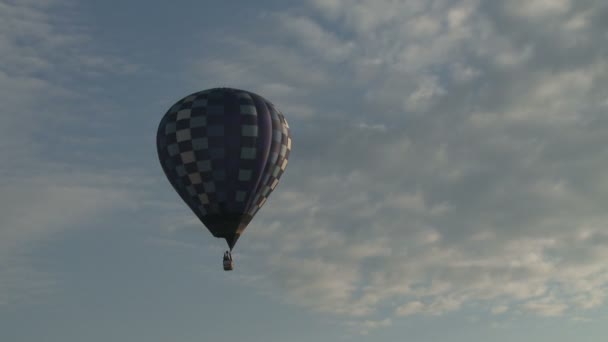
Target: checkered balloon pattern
224, 151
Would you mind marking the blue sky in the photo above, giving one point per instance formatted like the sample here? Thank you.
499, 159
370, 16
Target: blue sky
447, 178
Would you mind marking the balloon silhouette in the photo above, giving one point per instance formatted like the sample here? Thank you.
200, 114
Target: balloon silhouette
224, 151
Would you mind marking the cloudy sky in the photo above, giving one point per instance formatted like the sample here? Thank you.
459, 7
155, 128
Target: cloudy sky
447, 179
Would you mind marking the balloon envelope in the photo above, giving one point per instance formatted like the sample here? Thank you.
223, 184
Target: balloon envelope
224, 151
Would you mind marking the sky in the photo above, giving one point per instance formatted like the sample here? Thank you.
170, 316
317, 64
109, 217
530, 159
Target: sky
447, 179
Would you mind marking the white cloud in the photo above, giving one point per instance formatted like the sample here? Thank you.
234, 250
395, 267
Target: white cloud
311, 35
267, 63
464, 73
537, 8
500, 309
317, 284
546, 307
410, 308
35, 209
21, 283
372, 127
424, 26
425, 94
365, 326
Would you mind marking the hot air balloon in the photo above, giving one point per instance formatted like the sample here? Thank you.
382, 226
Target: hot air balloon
224, 150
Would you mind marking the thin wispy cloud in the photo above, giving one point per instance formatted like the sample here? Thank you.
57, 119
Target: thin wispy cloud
43, 190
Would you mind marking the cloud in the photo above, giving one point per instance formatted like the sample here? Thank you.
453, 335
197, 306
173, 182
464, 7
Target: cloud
312, 36
373, 127
410, 308
538, 8
365, 326
500, 309
421, 98
546, 307
321, 285
45, 187
34, 210
23, 284
445, 155
493, 197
